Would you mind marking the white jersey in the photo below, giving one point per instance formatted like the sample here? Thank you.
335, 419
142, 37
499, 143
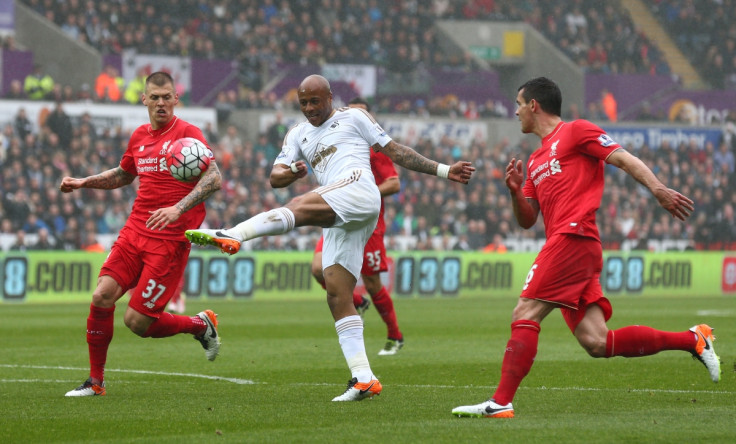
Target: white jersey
335, 148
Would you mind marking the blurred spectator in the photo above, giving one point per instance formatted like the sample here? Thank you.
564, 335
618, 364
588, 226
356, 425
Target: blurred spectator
496, 245
723, 159
70, 239
33, 224
109, 85
23, 127
91, 244
44, 242
609, 106
60, 124
224, 106
277, 131
15, 92
20, 241
647, 115
37, 84
263, 145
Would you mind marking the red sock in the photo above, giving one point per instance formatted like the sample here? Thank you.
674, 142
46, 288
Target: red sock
357, 299
518, 359
640, 340
100, 325
385, 307
170, 324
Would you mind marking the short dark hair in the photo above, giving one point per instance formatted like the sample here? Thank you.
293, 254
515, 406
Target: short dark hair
360, 101
545, 92
160, 78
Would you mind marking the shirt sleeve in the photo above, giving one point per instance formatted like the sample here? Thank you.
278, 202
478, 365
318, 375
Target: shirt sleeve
369, 128
290, 151
593, 141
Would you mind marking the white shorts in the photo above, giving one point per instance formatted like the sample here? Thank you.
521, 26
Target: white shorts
356, 201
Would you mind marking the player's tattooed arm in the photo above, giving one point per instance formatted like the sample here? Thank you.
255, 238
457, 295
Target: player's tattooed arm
408, 158
110, 179
460, 171
106, 180
210, 182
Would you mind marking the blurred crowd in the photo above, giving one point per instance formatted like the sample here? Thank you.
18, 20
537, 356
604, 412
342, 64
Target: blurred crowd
475, 217
395, 35
599, 36
705, 30
398, 36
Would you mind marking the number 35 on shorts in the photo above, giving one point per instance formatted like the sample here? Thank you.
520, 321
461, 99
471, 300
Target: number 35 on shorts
373, 259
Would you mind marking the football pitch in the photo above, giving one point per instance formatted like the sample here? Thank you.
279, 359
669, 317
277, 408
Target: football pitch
280, 365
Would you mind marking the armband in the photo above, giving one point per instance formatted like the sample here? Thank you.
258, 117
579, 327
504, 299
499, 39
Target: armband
293, 168
443, 170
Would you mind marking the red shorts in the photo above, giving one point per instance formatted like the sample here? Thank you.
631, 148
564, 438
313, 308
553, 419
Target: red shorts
567, 273
374, 255
151, 268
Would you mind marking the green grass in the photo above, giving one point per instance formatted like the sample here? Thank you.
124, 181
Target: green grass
164, 390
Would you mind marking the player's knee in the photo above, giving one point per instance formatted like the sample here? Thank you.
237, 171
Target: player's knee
593, 345
136, 324
103, 298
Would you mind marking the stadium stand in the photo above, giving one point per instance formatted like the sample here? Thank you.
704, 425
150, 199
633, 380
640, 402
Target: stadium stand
706, 31
32, 167
261, 35
599, 39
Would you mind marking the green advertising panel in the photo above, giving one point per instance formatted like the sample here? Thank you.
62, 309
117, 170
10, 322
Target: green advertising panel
72, 276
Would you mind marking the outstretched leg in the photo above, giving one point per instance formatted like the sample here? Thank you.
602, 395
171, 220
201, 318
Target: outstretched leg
639, 340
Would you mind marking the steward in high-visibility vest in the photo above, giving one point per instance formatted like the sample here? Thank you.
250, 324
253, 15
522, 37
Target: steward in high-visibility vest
38, 85
135, 90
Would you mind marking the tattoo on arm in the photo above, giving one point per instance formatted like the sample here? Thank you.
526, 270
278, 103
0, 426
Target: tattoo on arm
409, 158
207, 185
110, 179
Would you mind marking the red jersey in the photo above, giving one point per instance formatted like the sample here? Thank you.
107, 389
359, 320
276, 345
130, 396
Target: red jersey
382, 168
158, 189
565, 175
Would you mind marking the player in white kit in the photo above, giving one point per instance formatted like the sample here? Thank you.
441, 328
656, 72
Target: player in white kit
335, 145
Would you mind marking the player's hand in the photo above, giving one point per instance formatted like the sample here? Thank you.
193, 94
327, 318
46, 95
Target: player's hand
461, 172
301, 167
69, 184
162, 217
514, 175
676, 204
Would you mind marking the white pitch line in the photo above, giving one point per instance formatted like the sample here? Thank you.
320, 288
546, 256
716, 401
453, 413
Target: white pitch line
716, 313
145, 372
543, 388
306, 384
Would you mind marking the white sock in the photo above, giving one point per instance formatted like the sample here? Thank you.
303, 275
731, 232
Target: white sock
276, 221
350, 335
